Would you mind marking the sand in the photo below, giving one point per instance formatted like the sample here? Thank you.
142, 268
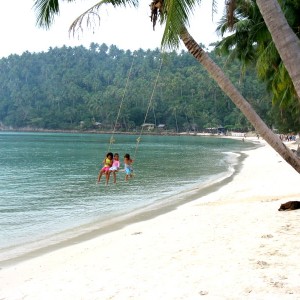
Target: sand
230, 244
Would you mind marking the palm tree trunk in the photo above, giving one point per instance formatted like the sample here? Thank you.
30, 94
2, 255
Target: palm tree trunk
285, 40
230, 90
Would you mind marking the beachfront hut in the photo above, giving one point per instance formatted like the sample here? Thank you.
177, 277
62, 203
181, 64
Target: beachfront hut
148, 126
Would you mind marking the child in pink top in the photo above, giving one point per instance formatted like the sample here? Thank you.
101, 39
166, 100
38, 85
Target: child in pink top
115, 167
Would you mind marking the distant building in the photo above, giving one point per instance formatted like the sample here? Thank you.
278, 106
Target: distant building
148, 126
161, 126
216, 130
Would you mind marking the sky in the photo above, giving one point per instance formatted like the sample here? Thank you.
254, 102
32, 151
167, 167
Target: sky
127, 28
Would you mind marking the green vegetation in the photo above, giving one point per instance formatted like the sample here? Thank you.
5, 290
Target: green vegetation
78, 88
245, 37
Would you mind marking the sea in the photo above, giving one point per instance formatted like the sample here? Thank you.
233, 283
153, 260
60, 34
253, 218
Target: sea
48, 189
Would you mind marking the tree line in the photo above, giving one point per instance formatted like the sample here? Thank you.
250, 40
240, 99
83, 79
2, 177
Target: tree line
78, 88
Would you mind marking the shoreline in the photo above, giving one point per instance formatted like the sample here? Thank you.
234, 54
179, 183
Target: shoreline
109, 132
15, 254
232, 243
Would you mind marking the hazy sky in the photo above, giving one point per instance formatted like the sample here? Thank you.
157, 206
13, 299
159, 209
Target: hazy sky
128, 28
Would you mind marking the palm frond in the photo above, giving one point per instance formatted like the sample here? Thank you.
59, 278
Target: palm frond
46, 11
176, 18
214, 7
91, 17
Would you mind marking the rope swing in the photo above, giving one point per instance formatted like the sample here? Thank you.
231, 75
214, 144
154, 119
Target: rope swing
138, 140
112, 140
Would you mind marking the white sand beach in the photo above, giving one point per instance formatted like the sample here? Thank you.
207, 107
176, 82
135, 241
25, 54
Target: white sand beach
230, 244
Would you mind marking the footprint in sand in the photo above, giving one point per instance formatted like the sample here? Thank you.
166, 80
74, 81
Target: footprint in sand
262, 264
267, 236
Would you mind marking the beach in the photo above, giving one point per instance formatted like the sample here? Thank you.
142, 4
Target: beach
230, 244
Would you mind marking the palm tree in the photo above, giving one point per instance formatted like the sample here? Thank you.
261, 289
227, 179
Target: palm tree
175, 16
286, 41
249, 40
284, 38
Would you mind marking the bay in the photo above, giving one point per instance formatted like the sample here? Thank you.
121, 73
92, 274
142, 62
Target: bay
48, 180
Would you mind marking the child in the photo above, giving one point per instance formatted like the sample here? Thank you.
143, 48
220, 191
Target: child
128, 167
107, 163
115, 167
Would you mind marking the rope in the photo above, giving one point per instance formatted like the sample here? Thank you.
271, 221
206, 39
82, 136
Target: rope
148, 108
112, 140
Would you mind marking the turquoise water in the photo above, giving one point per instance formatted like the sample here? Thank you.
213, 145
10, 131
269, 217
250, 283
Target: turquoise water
48, 180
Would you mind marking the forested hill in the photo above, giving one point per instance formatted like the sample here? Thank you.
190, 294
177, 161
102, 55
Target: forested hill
79, 88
